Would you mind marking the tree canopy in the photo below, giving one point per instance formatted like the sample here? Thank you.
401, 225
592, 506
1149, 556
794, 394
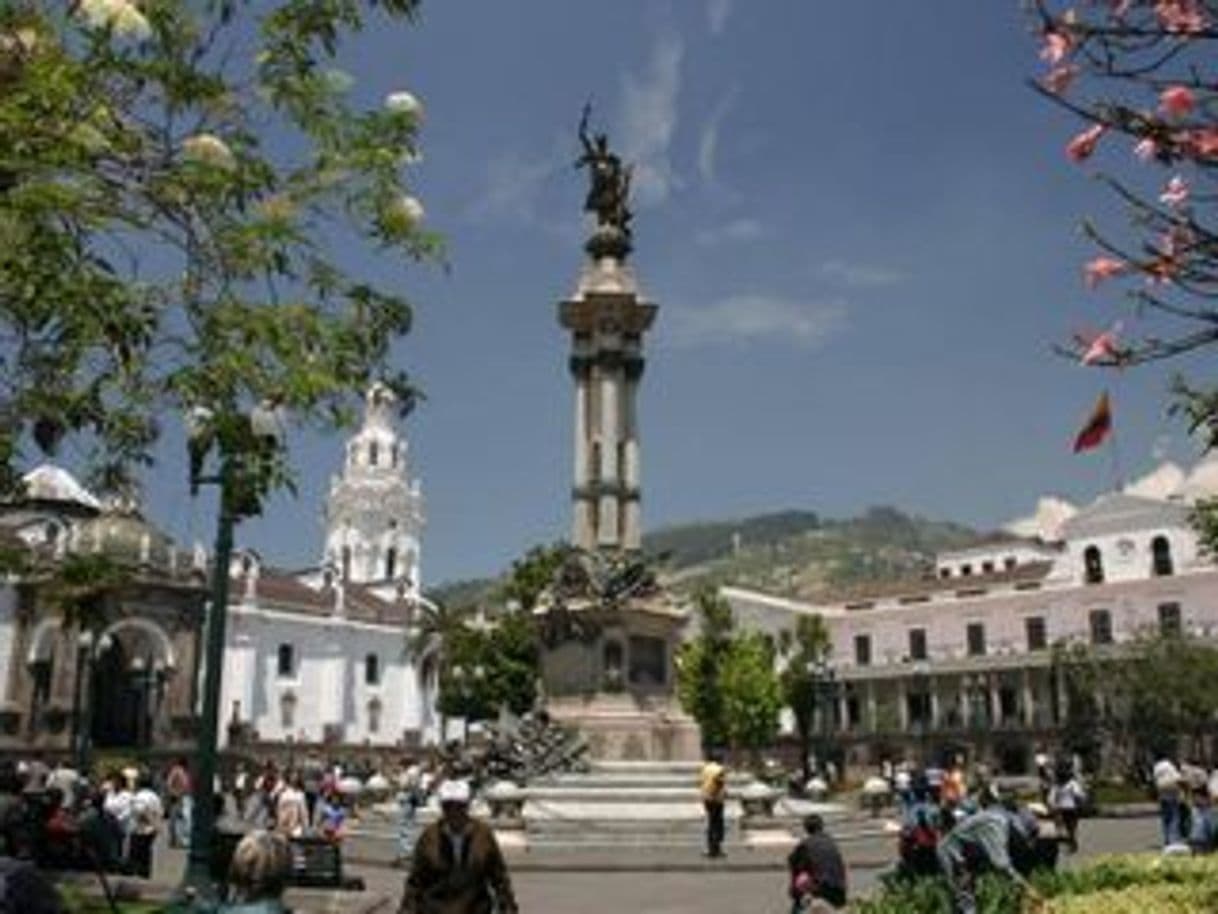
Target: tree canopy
726, 680
179, 184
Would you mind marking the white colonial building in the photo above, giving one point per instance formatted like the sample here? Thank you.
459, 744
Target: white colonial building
321, 656
960, 660
314, 658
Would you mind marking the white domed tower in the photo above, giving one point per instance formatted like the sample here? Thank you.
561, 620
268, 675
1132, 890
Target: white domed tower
374, 513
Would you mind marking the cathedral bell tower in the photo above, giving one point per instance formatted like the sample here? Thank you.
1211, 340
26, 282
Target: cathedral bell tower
374, 512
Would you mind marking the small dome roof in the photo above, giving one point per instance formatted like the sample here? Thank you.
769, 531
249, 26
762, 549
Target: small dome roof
122, 533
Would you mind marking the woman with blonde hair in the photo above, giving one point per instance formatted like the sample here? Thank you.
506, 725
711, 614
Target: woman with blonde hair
258, 874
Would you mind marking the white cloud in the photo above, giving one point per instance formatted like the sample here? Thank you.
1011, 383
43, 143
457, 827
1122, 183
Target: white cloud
1046, 522
858, 275
649, 121
708, 143
1160, 483
511, 187
755, 318
717, 13
738, 230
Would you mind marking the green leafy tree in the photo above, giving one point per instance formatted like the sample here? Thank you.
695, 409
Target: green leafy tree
532, 574
491, 668
752, 697
1148, 697
701, 663
179, 186
803, 677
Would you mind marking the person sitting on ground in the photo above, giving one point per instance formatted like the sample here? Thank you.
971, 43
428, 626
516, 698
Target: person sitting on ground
816, 867
978, 842
457, 866
258, 874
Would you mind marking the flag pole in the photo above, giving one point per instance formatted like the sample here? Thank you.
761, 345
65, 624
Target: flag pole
1115, 453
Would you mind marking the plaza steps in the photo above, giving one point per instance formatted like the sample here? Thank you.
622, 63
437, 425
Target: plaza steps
630, 805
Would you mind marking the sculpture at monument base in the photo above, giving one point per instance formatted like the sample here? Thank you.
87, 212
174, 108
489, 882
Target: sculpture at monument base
609, 633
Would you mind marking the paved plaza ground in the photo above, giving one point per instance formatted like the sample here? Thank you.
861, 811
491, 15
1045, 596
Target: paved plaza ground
675, 881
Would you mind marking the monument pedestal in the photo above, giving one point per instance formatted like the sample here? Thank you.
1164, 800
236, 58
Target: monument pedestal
607, 663
620, 728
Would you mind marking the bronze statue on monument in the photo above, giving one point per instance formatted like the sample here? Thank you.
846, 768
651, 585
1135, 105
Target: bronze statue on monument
608, 192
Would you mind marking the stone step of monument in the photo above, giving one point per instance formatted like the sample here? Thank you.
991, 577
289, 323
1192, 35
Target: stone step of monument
613, 794
624, 814
631, 779
684, 768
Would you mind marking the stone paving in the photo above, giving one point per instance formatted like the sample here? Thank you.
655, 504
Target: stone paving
673, 881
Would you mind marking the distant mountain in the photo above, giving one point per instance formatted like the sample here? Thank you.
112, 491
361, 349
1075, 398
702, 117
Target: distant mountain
789, 553
798, 554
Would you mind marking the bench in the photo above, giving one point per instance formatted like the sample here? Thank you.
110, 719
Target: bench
317, 863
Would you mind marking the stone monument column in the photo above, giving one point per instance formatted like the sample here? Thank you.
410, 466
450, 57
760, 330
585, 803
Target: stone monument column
608, 628
607, 318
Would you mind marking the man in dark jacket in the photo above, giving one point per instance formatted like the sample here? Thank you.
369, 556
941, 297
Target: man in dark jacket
457, 867
816, 865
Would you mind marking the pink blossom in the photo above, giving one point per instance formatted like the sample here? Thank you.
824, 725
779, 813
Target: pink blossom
1176, 193
1146, 149
1186, 17
1104, 347
1177, 101
1059, 78
1101, 268
1083, 145
1057, 45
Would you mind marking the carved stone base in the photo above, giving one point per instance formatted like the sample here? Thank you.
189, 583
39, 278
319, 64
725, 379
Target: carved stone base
617, 729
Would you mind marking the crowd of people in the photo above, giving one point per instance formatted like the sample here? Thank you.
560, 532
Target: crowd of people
1186, 795
61, 820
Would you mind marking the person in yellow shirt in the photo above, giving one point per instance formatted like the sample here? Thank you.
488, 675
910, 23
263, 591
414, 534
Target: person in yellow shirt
713, 785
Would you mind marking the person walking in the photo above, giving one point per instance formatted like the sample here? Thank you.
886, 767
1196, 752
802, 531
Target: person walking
147, 813
457, 866
291, 813
177, 803
1066, 801
116, 803
816, 867
410, 797
713, 787
1167, 784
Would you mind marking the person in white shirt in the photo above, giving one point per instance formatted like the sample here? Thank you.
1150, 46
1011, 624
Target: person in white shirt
116, 803
291, 810
1167, 784
147, 813
1066, 800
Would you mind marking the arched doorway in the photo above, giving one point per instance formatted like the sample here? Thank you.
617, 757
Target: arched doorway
127, 690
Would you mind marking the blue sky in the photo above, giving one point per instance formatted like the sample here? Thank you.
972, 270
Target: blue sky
858, 223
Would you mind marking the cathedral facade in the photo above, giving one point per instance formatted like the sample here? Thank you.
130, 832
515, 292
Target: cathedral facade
323, 656
315, 658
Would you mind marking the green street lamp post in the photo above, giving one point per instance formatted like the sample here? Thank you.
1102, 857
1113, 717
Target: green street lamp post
243, 444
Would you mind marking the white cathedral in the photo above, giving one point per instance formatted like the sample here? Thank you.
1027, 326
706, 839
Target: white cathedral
315, 658
321, 656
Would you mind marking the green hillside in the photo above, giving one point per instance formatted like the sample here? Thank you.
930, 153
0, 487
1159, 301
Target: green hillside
789, 553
